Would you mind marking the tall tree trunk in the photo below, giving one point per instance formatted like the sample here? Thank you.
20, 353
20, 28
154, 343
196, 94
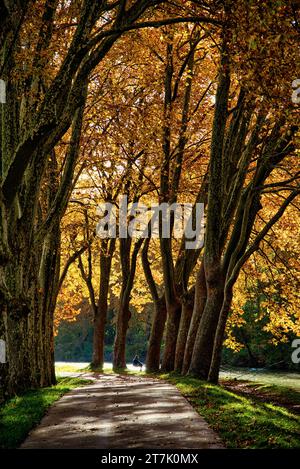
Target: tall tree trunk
203, 348
159, 315
18, 281
199, 304
185, 320
107, 250
128, 275
50, 290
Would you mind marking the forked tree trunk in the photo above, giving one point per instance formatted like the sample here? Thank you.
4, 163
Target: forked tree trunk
156, 336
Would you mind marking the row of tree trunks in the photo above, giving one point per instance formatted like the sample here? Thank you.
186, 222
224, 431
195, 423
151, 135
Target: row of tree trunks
191, 324
222, 263
178, 302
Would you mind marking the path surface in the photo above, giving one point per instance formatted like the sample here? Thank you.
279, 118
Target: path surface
261, 375
123, 412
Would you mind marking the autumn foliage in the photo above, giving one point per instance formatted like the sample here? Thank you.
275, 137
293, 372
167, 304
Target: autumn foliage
182, 101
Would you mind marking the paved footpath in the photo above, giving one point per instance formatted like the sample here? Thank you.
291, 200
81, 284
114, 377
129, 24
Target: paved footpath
123, 412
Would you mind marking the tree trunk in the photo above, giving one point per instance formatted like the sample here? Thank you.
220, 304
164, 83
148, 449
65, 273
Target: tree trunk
203, 349
20, 316
199, 304
119, 359
185, 320
172, 326
98, 336
99, 325
49, 290
28, 296
157, 332
20, 358
213, 376
128, 274
28, 329
3, 366
107, 250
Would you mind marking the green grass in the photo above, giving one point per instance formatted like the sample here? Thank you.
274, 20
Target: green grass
21, 413
72, 367
273, 392
241, 421
280, 378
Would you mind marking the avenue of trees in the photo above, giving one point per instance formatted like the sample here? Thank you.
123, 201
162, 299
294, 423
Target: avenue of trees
161, 101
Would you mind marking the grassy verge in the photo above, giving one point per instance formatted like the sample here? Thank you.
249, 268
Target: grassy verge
272, 393
70, 367
21, 413
88, 368
242, 421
